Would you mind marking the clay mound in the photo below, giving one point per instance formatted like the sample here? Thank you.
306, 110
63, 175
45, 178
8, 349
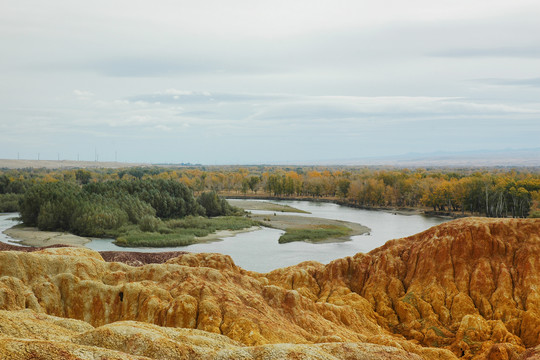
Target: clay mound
139, 258
467, 288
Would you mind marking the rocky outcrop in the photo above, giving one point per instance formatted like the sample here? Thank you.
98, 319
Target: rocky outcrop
467, 288
28, 335
465, 285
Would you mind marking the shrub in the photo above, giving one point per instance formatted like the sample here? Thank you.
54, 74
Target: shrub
61, 196
149, 223
9, 202
215, 205
98, 220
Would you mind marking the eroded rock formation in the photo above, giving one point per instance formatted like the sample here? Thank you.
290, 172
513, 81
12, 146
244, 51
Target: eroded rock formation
467, 288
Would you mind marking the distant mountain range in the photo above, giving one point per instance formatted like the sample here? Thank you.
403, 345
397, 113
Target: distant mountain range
480, 158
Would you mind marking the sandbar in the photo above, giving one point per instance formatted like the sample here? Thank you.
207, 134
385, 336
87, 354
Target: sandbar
31, 236
220, 234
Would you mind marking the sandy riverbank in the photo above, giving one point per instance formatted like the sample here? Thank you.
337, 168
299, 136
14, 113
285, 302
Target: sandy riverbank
220, 234
31, 236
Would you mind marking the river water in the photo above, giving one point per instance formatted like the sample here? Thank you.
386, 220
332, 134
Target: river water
260, 251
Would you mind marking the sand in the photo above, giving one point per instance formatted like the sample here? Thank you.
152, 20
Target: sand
220, 234
31, 236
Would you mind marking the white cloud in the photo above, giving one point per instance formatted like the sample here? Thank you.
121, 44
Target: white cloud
243, 74
82, 94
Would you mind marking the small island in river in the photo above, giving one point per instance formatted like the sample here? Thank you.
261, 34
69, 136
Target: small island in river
298, 227
198, 230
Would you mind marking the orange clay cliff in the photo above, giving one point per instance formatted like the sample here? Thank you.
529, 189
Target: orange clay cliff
467, 289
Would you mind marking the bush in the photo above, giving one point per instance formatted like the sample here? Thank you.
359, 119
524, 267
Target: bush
61, 199
215, 205
98, 221
149, 223
9, 202
135, 208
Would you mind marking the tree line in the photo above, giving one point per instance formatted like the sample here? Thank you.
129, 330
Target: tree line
496, 192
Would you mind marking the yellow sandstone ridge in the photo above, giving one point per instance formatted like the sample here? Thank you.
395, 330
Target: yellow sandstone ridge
464, 289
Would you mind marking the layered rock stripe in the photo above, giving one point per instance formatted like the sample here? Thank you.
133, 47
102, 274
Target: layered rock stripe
467, 288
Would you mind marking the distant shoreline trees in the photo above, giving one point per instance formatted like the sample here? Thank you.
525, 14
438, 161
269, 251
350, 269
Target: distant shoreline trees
492, 192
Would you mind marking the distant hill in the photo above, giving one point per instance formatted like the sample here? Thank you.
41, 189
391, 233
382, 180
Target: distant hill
63, 164
489, 158
480, 158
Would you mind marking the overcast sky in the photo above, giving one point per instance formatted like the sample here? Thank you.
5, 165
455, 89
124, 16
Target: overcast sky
235, 82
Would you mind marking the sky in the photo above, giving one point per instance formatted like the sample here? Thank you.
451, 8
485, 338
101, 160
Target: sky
251, 82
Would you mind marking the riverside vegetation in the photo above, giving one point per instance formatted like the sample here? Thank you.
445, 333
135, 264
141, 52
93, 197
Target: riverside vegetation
317, 234
492, 192
144, 213
141, 206
148, 212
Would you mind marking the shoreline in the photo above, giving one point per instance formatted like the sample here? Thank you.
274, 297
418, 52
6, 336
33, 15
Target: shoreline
220, 234
30, 236
400, 211
210, 238
33, 237
250, 204
285, 222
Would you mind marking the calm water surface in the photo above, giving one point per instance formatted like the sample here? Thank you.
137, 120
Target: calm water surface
260, 251
8, 220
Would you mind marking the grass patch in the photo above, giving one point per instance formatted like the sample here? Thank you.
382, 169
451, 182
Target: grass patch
410, 298
317, 234
283, 208
437, 331
266, 206
181, 232
148, 239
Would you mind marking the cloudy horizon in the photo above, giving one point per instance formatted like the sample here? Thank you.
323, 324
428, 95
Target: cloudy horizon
241, 82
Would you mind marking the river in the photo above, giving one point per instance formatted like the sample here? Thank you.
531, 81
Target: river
260, 251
